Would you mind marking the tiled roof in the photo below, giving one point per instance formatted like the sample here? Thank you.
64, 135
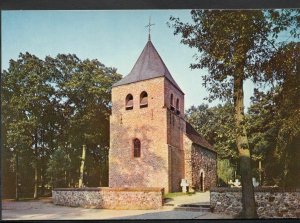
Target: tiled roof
196, 138
149, 65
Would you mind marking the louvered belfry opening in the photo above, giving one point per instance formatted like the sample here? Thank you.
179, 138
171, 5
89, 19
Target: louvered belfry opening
177, 107
136, 148
143, 99
172, 102
129, 102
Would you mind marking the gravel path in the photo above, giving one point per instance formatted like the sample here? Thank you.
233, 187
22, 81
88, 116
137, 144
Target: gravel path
44, 209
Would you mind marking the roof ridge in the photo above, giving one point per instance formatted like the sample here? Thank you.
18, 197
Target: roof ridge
190, 130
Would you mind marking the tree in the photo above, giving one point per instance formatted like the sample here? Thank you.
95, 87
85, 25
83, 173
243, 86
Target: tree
84, 88
217, 126
234, 46
58, 166
50, 105
275, 118
28, 94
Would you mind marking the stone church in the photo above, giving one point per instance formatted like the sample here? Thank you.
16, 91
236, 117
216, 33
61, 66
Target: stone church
151, 143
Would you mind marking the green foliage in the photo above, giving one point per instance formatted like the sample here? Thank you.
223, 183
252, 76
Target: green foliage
234, 46
226, 41
273, 127
50, 108
225, 172
58, 165
217, 125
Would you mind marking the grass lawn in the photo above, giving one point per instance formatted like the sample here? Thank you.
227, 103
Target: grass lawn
176, 194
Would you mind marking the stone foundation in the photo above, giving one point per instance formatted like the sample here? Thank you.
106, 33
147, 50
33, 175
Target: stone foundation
271, 202
109, 198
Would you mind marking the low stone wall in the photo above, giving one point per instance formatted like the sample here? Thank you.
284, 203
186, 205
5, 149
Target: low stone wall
270, 202
109, 198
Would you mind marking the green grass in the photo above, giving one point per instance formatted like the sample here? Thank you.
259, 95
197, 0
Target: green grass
176, 194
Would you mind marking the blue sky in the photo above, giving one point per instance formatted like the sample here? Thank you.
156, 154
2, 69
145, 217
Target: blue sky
114, 37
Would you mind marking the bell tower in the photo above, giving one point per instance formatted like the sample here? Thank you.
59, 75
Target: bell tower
146, 126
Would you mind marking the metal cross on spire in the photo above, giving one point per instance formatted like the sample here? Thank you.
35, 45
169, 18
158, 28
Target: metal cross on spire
149, 26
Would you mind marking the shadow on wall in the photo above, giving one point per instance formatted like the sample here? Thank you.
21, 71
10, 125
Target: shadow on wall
130, 171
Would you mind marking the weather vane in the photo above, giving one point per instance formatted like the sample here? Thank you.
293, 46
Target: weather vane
149, 26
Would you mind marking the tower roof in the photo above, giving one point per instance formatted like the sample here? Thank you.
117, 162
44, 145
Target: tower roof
149, 65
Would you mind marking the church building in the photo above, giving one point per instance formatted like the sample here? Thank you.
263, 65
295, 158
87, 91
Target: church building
151, 143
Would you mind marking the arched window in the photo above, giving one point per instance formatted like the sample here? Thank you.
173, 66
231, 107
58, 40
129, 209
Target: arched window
129, 102
136, 148
171, 102
177, 106
143, 99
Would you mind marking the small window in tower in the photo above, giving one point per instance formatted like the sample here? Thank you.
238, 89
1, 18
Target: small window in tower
136, 148
129, 102
143, 99
171, 103
177, 106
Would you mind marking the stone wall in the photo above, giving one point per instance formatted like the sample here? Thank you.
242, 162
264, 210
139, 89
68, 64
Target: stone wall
203, 161
199, 160
109, 198
271, 202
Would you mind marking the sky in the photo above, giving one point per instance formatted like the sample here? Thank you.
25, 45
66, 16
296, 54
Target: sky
114, 37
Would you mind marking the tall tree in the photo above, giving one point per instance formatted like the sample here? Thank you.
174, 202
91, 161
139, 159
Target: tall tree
274, 117
50, 105
234, 45
29, 93
85, 91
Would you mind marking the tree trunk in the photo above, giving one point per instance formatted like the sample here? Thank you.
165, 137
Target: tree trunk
35, 196
43, 179
248, 200
100, 174
82, 166
43, 167
17, 175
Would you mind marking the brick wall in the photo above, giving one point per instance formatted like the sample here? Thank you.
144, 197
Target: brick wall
109, 198
187, 143
176, 172
175, 128
147, 124
160, 131
167, 155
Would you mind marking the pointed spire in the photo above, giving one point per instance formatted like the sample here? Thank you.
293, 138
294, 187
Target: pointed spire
149, 65
149, 26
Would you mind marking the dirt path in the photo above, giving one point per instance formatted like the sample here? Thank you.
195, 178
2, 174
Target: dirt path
44, 209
